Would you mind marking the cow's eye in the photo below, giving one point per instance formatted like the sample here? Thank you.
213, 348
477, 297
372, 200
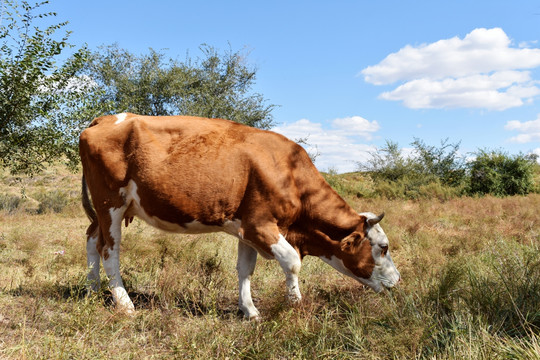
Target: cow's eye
384, 249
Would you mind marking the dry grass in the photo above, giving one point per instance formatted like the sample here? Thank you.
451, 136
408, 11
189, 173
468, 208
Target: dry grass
470, 289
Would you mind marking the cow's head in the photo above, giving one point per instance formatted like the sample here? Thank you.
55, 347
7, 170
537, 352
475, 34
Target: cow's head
364, 255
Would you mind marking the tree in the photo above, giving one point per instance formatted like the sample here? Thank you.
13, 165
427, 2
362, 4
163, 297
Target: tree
215, 86
43, 105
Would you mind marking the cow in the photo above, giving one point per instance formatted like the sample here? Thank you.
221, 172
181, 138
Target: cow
195, 175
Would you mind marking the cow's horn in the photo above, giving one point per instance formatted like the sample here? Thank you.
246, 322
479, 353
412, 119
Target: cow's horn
375, 220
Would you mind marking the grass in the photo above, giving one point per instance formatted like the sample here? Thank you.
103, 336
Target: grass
470, 289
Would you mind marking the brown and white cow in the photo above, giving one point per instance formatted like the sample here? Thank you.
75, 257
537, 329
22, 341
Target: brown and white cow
195, 175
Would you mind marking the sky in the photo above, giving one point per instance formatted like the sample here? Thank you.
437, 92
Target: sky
351, 75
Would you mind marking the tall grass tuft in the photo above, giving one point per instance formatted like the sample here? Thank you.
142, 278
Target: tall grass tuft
497, 292
504, 289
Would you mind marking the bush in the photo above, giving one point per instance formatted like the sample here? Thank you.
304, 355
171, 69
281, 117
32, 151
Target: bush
441, 162
427, 171
438, 171
389, 164
499, 174
55, 200
9, 202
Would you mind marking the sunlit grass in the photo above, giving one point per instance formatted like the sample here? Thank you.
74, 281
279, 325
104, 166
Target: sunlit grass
470, 289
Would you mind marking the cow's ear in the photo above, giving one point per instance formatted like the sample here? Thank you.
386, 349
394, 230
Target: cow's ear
349, 242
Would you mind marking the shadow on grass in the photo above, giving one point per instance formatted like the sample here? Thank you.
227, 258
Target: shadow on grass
141, 300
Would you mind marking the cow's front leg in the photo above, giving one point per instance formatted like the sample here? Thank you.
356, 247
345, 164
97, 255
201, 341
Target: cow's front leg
290, 262
247, 258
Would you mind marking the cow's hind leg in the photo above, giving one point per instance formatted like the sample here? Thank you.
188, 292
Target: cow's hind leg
92, 261
111, 232
247, 258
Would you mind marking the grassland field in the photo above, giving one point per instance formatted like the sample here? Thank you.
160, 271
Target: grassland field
470, 286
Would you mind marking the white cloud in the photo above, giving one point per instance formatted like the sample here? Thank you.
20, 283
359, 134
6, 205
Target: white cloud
530, 130
481, 70
537, 152
356, 126
339, 147
494, 92
527, 44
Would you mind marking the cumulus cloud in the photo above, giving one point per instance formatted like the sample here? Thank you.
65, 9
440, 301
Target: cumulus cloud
482, 70
340, 147
356, 126
530, 130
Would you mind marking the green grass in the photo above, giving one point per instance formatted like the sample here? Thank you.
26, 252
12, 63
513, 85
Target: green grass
470, 289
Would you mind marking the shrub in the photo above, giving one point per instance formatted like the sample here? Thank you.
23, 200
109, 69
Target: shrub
424, 164
427, 171
439, 171
55, 200
388, 163
499, 174
441, 162
9, 202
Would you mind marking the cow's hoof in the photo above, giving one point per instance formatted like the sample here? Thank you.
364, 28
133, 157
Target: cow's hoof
256, 318
294, 298
128, 310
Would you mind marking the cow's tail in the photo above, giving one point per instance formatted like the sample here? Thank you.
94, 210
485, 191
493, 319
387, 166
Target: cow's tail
87, 204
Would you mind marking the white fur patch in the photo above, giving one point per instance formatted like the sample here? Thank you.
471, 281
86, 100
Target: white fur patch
112, 263
132, 198
120, 118
286, 254
116, 218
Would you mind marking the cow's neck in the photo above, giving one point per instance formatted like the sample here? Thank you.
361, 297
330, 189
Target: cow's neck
326, 219
328, 211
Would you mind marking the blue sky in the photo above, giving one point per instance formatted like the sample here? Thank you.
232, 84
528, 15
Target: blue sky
352, 74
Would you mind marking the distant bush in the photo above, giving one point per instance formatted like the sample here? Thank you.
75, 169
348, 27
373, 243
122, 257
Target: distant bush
55, 200
431, 171
499, 174
389, 164
442, 163
428, 171
423, 165
9, 202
